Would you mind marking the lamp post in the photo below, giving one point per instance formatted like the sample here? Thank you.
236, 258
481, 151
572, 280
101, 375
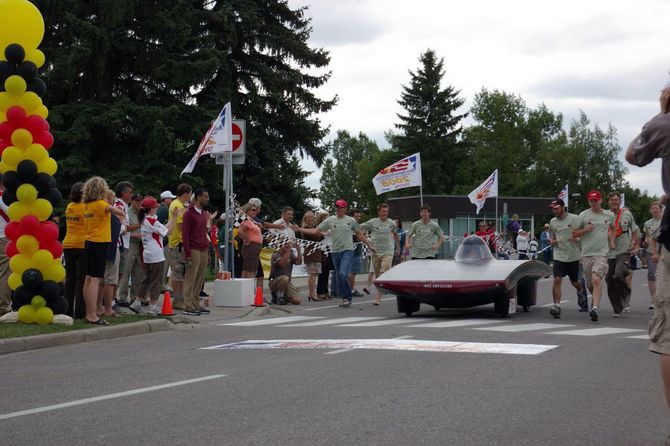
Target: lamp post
576, 196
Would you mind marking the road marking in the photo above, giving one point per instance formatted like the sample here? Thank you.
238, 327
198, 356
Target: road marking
644, 336
330, 321
594, 331
106, 397
388, 344
344, 350
273, 321
459, 323
563, 301
386, 322
354, 303
524, 327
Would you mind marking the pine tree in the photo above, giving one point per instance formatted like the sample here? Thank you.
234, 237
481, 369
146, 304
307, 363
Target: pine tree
431, 125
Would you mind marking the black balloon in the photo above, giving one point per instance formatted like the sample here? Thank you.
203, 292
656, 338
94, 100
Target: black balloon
22, 296
9, 197
37, 86
27, 170
49, 290
53, 196
32, 279
14, 53
42, 182
11, 180
59, 306
27, 70
6, 70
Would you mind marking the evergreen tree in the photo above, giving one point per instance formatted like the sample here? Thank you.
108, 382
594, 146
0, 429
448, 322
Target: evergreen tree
430, 125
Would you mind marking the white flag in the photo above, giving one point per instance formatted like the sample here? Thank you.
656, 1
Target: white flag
623, 201
563, 195
489, 188
218, 139
401, 174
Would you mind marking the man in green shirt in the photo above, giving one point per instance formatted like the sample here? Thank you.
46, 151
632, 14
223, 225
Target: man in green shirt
341, 227
385, 240
625, 245
595, 230
424, 237
566, 254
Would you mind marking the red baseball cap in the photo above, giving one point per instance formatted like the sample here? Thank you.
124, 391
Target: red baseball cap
341, 203
594, 195
149, 203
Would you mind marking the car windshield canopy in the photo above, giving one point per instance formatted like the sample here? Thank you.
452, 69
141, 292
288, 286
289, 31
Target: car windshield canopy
473, 249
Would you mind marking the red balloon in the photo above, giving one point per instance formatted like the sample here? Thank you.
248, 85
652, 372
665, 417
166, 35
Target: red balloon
45, 138
35, 124
48, 233
15, 115
6, 130
11, 250
30, 224
13, 231
56, 249
3, 145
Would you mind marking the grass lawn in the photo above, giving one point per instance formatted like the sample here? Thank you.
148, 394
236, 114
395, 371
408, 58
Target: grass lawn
20, 329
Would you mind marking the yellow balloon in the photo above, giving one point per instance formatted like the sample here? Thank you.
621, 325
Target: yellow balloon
47, 165
55, 273
12, 156
44, 315
26, 193
41, 111
29, 101
3, 116
42, 260
6, 101
27, 314
20, 22
18, 210
34, 152
20, 262
22, 138
27, 244
14, 281
38, 301
15, 85
36, 56
4, 167
41, 208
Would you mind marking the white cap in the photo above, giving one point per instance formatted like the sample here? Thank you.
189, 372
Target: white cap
167, 194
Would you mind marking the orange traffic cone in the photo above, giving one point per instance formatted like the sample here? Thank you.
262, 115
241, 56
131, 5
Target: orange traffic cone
258, 300
167, 305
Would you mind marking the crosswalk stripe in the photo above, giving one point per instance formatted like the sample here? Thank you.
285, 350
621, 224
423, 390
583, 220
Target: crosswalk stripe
459, 323
594, 331
644, 336
273, 321
384, 322
524, 327
330, 321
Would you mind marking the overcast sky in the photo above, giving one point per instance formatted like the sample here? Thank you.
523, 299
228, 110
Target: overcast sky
609, 59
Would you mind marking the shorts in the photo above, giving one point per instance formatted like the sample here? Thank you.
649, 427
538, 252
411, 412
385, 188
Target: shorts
594, 265
251, 257
382, 263
313, 268
96, 252
659, 325
177, 263
112, 270
651, 267
282, 283
356, 265
570, 269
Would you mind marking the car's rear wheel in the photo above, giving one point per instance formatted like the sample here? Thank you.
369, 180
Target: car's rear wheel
407, 306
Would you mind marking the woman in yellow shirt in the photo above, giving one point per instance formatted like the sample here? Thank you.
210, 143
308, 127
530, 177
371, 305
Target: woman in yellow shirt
98, 226
74, 253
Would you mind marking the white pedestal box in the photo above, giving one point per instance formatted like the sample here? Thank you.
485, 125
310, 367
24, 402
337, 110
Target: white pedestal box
234, 292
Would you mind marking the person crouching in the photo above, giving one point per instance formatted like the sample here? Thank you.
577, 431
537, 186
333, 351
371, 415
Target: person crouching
281, 268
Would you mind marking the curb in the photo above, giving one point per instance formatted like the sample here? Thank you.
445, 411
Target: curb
14, 345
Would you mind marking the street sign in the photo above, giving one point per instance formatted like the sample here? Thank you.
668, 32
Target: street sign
239, 137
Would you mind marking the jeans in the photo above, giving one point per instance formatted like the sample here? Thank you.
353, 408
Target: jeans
342, 263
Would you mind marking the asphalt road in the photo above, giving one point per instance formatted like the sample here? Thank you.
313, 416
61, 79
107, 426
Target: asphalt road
583, 388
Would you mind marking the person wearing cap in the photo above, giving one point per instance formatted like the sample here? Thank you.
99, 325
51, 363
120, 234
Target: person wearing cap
522, 244
153, 233
566, 252
545, 244
133, 271
424, 237
341, 226
654, 142
595, 229
625, 246
163, 215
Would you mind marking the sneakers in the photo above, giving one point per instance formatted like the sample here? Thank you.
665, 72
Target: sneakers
626, 309
346, 303
191, 313
281, 300
617, 315
651, 306
593, 314
366, 291
136, 307
123, 304
203, 310
356, 293
274, 298
555, 311
154, 310
203, 294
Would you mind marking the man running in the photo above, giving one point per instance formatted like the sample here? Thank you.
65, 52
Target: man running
625, 245
424, 236
385, 240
